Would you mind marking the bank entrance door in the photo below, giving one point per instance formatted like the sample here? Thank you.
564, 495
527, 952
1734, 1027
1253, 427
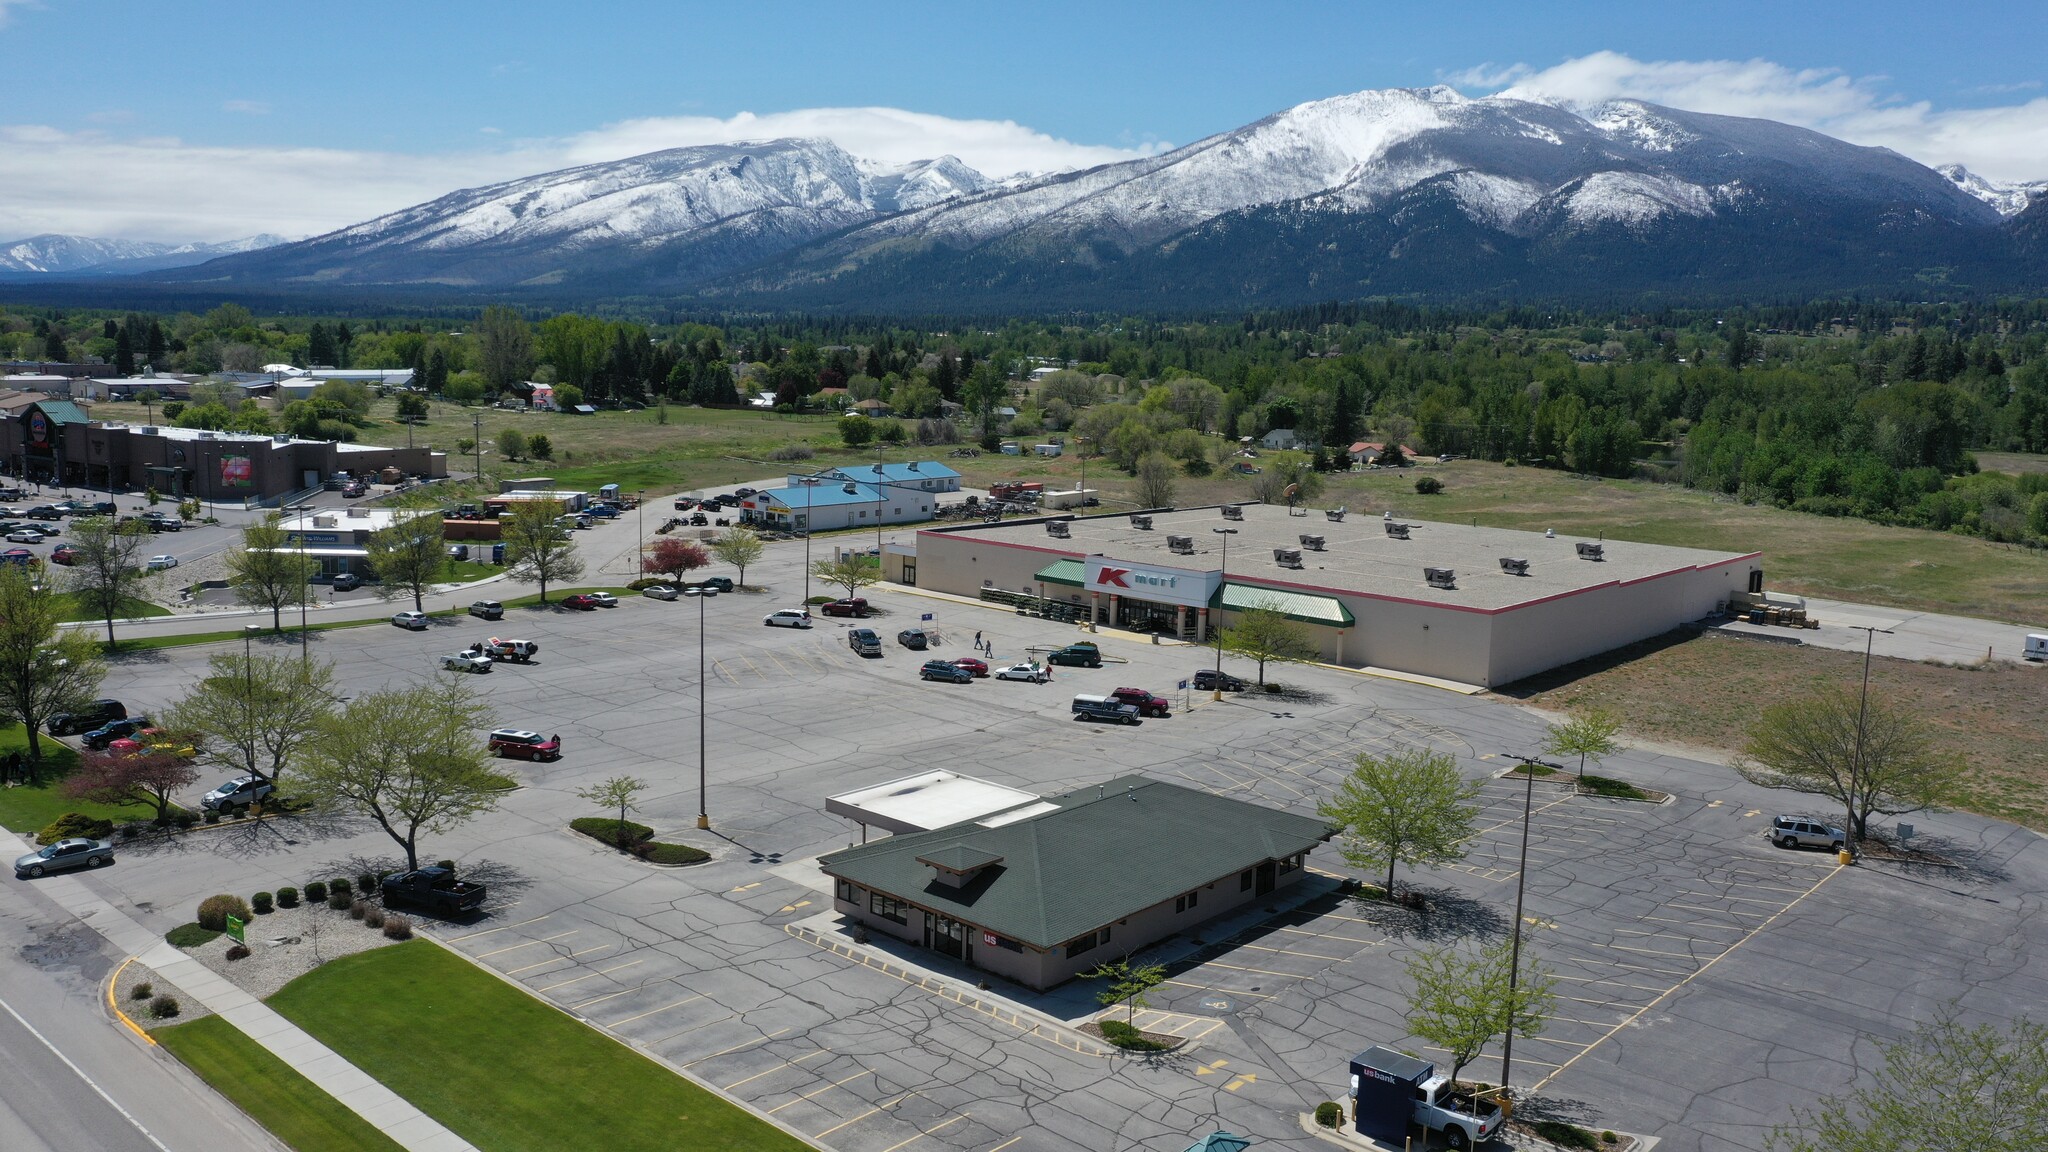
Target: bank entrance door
944, 936
1267, 874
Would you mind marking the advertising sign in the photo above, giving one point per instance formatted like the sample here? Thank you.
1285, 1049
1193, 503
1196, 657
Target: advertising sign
237, 471
38, 429
235, 927
1152, 582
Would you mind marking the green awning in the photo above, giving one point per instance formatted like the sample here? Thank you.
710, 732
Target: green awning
1309, 609
1068, 571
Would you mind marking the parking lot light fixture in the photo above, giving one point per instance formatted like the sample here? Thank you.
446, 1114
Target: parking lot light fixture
1216, 633
1507, 1050
703, 808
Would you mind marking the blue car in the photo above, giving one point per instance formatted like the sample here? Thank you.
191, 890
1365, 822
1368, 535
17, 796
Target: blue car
106, 734
941, 670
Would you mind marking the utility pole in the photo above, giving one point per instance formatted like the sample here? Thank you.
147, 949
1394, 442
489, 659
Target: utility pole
1215, 632
1507, 1050
477, 423
703, 808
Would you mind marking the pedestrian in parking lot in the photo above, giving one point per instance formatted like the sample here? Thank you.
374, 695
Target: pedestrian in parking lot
977, 638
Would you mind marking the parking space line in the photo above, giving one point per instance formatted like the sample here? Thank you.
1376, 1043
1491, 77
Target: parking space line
736, 1047
588, 975
1260, 971
1333, 936
528, 944
1005, 1144
582, 1004
1623, 965
777, 1068
1716, 911
862, 1116
652, 1011
1290, 952
926, 1132
818, 1091
535, 964
499, 928
1214, 988
1725, 896
1598, 980
1651, 952
1519, 1058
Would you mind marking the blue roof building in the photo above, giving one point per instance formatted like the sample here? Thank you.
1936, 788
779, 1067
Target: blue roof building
828, 502
923, 475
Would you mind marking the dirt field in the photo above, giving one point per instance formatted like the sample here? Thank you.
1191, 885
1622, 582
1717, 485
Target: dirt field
1705, 689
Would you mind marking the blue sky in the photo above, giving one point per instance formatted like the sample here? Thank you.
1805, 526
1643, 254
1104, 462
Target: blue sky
342, 111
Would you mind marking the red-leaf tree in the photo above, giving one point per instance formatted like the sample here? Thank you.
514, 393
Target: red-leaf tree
672, 558
150, 776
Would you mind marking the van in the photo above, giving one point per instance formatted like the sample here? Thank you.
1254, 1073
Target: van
2037, 646
1104, 708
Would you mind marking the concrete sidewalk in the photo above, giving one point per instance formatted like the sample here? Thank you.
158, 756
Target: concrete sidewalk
356, 1089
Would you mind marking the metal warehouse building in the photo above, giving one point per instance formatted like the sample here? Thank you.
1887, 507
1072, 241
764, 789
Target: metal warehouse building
1483, 606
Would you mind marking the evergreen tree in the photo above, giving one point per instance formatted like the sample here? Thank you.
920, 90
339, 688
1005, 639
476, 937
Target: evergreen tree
124, 354
158, 352
54, 347
943, 378
320, 346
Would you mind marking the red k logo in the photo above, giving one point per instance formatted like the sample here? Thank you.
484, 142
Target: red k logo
1112, 576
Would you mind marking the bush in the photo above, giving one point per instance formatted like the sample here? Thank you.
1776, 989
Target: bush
316, 891
373, 916
142, 991
287, 897
163, 1007
1128, 1038
238, 951
1609, 1138
184, 820
398, 927
75, 824
357, 909
1329, 1114
213, 815
215, 910
1428, 485
792, 452
338, 884
132, 829
366, 883
611, 830
655, 853
339, 901
261, 903
1565, 1135
189, 936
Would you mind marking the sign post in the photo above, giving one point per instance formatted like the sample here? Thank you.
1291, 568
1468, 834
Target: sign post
235, 927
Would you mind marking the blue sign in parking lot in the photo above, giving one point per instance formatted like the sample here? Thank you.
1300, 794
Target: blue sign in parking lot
1183, 685
926, 617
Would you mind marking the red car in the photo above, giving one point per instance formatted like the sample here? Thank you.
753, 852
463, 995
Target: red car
63, 554
520, 744
972, 665
1146, 703
581, 601
855, 607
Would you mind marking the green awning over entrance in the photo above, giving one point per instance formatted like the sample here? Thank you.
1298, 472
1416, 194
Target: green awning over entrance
1068, 571
1309, 609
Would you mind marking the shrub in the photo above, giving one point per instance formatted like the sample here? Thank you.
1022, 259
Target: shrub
189, 936
163, 1007
338, 884
215, 910
1565, 1135
373, 916
287, 897
670, 853
398, 927
1329, 1114
238, 951
142, 991
357, 909
213, 815
1428, 485
131, 829
185, 820
316, 892
1128, 1038
261, 903
366, 883
1609, 1138
792, 452
339, 901
611, 830
75, 824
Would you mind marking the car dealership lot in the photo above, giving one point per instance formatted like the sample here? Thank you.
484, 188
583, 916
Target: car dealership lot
1707, 980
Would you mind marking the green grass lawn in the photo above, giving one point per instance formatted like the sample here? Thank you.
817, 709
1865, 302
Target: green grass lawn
501, 1069
294, 1109
29, 809
131, 609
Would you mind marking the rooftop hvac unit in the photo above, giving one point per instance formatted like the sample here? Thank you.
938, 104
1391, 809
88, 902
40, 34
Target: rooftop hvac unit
1287, 557
1232, 512
1591, 551
1440, 577
1185, 545
1142, 523
1513, 566
1056, 528
1336, 515
1312, 543
1397, 530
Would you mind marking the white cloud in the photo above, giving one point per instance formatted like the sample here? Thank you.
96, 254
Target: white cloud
2007, 142
246, 107
6, 7
96, 184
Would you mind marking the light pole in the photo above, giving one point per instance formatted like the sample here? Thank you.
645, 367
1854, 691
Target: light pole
639, 529
703, 809
305, 589
1216, 693
1507, 1049
249, 632
810, 484
1862, 710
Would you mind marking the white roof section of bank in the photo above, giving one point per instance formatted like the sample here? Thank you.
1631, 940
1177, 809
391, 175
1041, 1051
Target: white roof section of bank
925, 801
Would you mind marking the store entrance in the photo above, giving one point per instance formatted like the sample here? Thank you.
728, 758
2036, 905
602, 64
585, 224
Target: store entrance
1146, 616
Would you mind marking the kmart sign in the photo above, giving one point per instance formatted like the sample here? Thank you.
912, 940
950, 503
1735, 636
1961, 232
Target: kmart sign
1151, 582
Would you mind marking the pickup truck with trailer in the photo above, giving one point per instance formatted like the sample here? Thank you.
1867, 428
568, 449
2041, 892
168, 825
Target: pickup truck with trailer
434, 889
1146, 703
1390, 1092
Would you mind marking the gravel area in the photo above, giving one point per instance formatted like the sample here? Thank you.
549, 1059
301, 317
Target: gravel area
310, 937
134, 976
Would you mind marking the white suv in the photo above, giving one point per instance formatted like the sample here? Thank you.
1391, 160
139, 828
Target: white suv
788, 618
414, 621
1805, 832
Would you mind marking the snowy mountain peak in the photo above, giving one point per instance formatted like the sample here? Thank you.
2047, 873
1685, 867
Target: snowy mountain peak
2010, 199
53, 253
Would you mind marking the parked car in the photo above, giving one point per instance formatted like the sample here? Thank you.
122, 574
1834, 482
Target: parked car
1104, 708
914, 639
25, 536
787, 618
434, 889
85, 719
1146, 703
1030, 673
113, 730
102, 508
743, 493
236, 794
505, 651
1076, 655
581, 602
716, 584
45, 512
487, 610
75, 852
64, 554
416, 621
855, 607
864, 642
604, 600
347, 582
977, 667
21, 556
467, 661
660, 592
1209, 680
603, 511
519, 744
685, 503
945, 670
1806, 832
162, 522
161, 562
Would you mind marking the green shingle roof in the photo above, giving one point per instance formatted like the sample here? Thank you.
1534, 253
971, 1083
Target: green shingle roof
63, 412
1064, 571
1103, 854
958, 857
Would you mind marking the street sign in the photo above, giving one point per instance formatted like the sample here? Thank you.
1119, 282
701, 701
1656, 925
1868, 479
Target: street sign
927, 617
235, 929
1183, 685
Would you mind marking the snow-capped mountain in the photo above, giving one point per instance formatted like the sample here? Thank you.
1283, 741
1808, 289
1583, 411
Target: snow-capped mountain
1412, 191
2010, 199
55, 254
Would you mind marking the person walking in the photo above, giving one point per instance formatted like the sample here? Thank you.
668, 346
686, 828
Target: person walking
977, 638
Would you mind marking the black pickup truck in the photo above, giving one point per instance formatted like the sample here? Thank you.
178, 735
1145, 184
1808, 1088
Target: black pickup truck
434, 889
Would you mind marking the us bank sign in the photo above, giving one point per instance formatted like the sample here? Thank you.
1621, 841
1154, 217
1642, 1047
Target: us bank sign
1151, 582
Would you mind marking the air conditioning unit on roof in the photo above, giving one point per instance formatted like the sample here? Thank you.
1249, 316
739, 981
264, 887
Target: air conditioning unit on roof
1141, 522
1397, 530
1440, 577
1514, 566
1232, 512
1287, 557
1185, 545
1312, 543
1591, 551
1056, 528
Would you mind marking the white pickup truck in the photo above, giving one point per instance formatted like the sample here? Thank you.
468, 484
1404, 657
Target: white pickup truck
1390, 1092
506, 651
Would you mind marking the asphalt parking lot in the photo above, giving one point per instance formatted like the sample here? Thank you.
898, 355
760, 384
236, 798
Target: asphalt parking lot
1708, 982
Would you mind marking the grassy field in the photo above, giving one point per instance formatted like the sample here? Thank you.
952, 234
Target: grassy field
293, 1108
1706, 689
501, 1069
2016, 463
30, 808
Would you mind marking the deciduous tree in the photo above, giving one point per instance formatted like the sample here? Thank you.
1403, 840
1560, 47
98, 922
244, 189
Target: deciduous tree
267, 573
1460, 1001
151, 776
538, 548
1265, 634
617, 792
1411, 806
1155, 473
1947, 1085
1127, 984
674, 558
1826, 745
511, 443
853, 572
408, 557
1587, 733
42, 671
738, 547
106, 570
504, 347
257, 714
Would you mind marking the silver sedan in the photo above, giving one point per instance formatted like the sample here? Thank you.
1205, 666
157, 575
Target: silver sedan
76, 852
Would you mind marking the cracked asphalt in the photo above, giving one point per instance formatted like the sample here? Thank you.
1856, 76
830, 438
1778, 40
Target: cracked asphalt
1708, 982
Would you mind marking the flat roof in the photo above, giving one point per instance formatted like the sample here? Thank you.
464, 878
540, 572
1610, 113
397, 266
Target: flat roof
354, 518
1358, 556
926, 800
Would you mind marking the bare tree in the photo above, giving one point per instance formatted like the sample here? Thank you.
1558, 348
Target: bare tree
1874, 761
106, 572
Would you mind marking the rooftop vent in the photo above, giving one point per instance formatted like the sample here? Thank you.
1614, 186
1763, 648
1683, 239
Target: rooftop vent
1141, 522
1397, 530
1232, 512
1336, 515
913, 465
1592, 551
1513, 566
1056, 528
850, 488
1185, 545
1440, 577
1287, 557
1312, 543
